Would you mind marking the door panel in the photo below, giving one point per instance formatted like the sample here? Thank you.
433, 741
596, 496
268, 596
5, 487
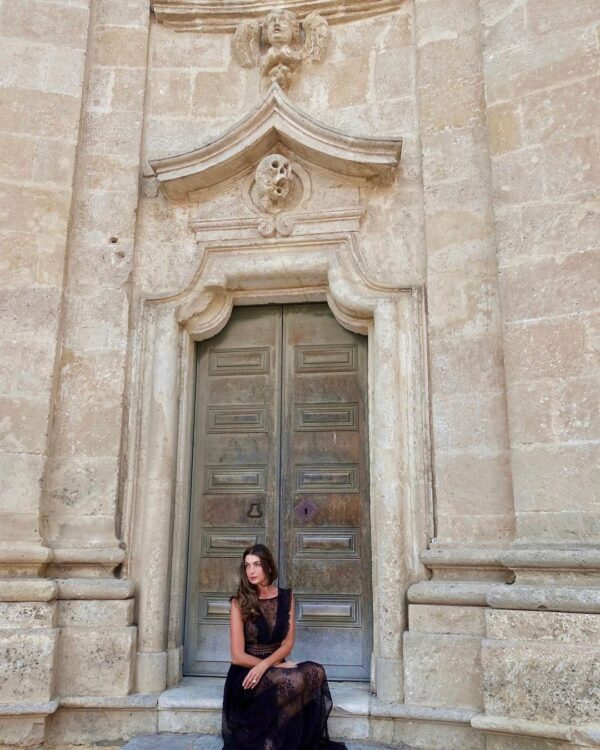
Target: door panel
235, 491
280, 456
324, 490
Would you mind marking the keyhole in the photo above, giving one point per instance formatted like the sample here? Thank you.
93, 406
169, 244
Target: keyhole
305, 511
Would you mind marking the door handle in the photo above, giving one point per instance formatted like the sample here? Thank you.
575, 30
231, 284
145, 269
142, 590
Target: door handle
255, 511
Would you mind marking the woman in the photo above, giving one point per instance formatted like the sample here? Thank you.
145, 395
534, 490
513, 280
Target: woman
270, 703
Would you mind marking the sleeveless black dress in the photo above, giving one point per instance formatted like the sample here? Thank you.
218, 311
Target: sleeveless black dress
288, 709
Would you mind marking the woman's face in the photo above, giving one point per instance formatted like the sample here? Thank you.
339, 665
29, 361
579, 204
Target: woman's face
255, 572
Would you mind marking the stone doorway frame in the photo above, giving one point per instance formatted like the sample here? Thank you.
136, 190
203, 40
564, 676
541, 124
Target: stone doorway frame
316, 257
246, 274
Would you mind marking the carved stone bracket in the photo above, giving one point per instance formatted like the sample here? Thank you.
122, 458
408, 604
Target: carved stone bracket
217, 16
277, 121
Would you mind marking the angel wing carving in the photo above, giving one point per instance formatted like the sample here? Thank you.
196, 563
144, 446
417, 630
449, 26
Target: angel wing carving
246, 43
316, 35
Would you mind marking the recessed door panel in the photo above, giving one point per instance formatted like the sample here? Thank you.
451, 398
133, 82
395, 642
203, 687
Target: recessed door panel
280, 457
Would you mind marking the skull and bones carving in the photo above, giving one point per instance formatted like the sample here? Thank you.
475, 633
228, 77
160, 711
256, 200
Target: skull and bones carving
274, 178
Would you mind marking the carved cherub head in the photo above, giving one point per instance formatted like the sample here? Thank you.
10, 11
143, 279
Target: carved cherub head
279, 43
273, 182
282, 28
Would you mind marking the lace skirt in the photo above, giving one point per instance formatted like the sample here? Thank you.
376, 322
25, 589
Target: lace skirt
287, 710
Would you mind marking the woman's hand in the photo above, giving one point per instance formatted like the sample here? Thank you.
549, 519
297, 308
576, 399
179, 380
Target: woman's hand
254, 676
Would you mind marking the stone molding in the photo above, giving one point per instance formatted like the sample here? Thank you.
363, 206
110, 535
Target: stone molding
211, 16
276, 121
27, 590
589, 734
573, 559
548, 598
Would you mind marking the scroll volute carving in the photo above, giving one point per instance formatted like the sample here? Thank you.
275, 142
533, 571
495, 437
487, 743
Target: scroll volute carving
280, 43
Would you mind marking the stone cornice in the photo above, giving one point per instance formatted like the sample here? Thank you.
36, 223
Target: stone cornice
276, 120
221, 16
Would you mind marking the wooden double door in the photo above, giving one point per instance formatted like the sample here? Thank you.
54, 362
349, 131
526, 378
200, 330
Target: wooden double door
281, 457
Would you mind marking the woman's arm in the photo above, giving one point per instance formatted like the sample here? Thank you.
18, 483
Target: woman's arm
237, 640
254, 675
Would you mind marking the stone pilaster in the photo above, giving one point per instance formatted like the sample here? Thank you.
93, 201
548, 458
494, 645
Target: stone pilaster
470, 431
81, 485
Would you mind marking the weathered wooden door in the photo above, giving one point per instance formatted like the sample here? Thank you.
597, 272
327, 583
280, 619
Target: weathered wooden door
281, 457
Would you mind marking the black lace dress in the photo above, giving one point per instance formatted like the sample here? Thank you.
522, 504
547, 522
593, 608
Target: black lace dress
288, 709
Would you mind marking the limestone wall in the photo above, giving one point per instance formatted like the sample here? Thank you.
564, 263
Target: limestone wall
42, 89
541, 83
493, 215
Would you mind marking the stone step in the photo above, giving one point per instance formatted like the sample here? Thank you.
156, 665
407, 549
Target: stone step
169, 741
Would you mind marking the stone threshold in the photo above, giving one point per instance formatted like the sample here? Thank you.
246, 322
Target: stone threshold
350, 700
205, 694
170, 741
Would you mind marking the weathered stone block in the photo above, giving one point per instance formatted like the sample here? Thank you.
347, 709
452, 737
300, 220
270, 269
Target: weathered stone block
128, 87
470, 483
20, 476
36, 210
86, 483
564, 627
27, 665
422, 735
549, 15
560, 226
442, 670
545, 476
121, 46
505, 128
548, 349
14, 615
207, 51
54, 161
466, 365
95, 661
25, 63
78, 726
464, 422
541, 680
65, 71
39, 113
467, 528
23, 425
119, 13
102, 613
571, 526
65, 25
171, 92
429, 618
22, 731
559, 113
455, 104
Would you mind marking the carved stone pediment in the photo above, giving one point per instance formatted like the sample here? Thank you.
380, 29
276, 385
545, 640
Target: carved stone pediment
216, 15
276, 125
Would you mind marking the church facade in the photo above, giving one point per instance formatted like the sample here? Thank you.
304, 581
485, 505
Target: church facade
321, 274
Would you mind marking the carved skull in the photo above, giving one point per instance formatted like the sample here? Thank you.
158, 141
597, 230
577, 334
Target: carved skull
273, 182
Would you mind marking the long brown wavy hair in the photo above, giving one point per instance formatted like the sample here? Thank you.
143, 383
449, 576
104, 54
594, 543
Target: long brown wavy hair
246, 594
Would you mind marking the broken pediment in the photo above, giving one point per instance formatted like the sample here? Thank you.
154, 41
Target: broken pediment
277, 123
218, 16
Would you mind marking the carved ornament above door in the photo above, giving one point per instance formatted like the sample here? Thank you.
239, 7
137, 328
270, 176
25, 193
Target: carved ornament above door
277, 122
